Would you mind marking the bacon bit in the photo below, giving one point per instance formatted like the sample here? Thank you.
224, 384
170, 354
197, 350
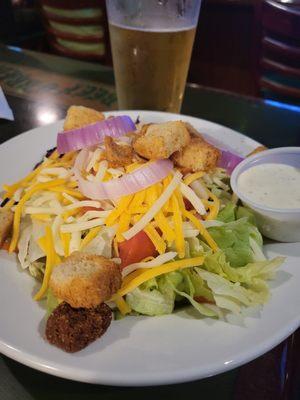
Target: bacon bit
117, 155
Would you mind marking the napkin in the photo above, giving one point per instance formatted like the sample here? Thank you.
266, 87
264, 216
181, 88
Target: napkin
5, 110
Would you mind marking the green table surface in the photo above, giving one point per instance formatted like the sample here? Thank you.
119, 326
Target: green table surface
34, 82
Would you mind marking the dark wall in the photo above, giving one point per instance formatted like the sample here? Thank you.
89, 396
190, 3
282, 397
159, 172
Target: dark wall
224, 46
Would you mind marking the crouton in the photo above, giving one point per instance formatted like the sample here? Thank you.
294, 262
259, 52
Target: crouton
198, 155
85, 280
158, 141
72, 329
6, 221
117, 155
192, 131
78, 116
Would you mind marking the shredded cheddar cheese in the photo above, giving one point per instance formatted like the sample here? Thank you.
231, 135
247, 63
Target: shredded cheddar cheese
193, 177
122, 305
124, 222
164, 226
19, 208
65, 239
121, 207
214, 207
137, 201
69, 213
63, 190
194, 220
155, 238
52, 259
178, 228
41, 217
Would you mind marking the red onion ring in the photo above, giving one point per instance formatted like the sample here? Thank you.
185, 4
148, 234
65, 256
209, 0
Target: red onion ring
125, 185
92, 134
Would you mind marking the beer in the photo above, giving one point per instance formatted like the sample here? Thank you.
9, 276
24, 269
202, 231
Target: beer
151, 66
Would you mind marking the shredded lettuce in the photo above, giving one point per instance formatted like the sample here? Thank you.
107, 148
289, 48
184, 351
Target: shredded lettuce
234, 239
228, 213
52, 302
23, 244
231, 212
214, 289
253, 276
37, 269
29, 250
155, 297
243, 212
102, 243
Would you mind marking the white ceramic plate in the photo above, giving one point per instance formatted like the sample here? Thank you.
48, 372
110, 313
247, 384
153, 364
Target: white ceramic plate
141, 350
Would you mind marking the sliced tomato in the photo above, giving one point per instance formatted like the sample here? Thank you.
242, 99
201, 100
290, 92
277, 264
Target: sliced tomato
188, 205
136, 249
83, 210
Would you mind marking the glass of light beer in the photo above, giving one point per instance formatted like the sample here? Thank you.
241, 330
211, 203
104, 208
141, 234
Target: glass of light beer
151, 43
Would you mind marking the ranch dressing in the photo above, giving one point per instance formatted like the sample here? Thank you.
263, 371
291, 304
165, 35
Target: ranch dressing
271, 185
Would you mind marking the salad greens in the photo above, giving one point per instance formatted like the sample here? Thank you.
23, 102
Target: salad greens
216, 283
234, 238
230, 280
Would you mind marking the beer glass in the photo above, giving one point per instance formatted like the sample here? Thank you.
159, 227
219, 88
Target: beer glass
151, 43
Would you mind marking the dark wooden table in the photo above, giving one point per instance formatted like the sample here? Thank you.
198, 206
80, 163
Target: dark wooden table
40, 88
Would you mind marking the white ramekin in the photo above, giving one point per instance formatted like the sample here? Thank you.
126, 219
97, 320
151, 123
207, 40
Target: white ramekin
282, 224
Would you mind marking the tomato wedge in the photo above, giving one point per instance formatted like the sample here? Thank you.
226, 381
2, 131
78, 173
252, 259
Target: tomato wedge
188, 205
136, 249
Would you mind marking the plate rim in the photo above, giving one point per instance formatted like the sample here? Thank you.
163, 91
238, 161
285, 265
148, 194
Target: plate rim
76, 374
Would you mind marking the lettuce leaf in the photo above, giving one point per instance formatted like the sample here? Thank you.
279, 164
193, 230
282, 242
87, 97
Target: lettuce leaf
203, 309
243, 212
253, 276
154, 297
158, 296
234, 239
228, 213
213, 289
228, 283
51, 303
37, 269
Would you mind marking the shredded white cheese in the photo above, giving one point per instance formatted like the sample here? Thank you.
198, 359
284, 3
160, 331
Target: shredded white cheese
199, 189
156, 262
69, 197
94, 159
101, 170
83, 203
75, 242
81, 226
189, 194
93, 214
60, 172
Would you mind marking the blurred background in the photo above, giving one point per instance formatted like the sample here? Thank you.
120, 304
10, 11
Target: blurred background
249, 47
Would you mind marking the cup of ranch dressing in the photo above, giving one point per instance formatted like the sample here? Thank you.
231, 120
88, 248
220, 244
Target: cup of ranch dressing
268, 183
